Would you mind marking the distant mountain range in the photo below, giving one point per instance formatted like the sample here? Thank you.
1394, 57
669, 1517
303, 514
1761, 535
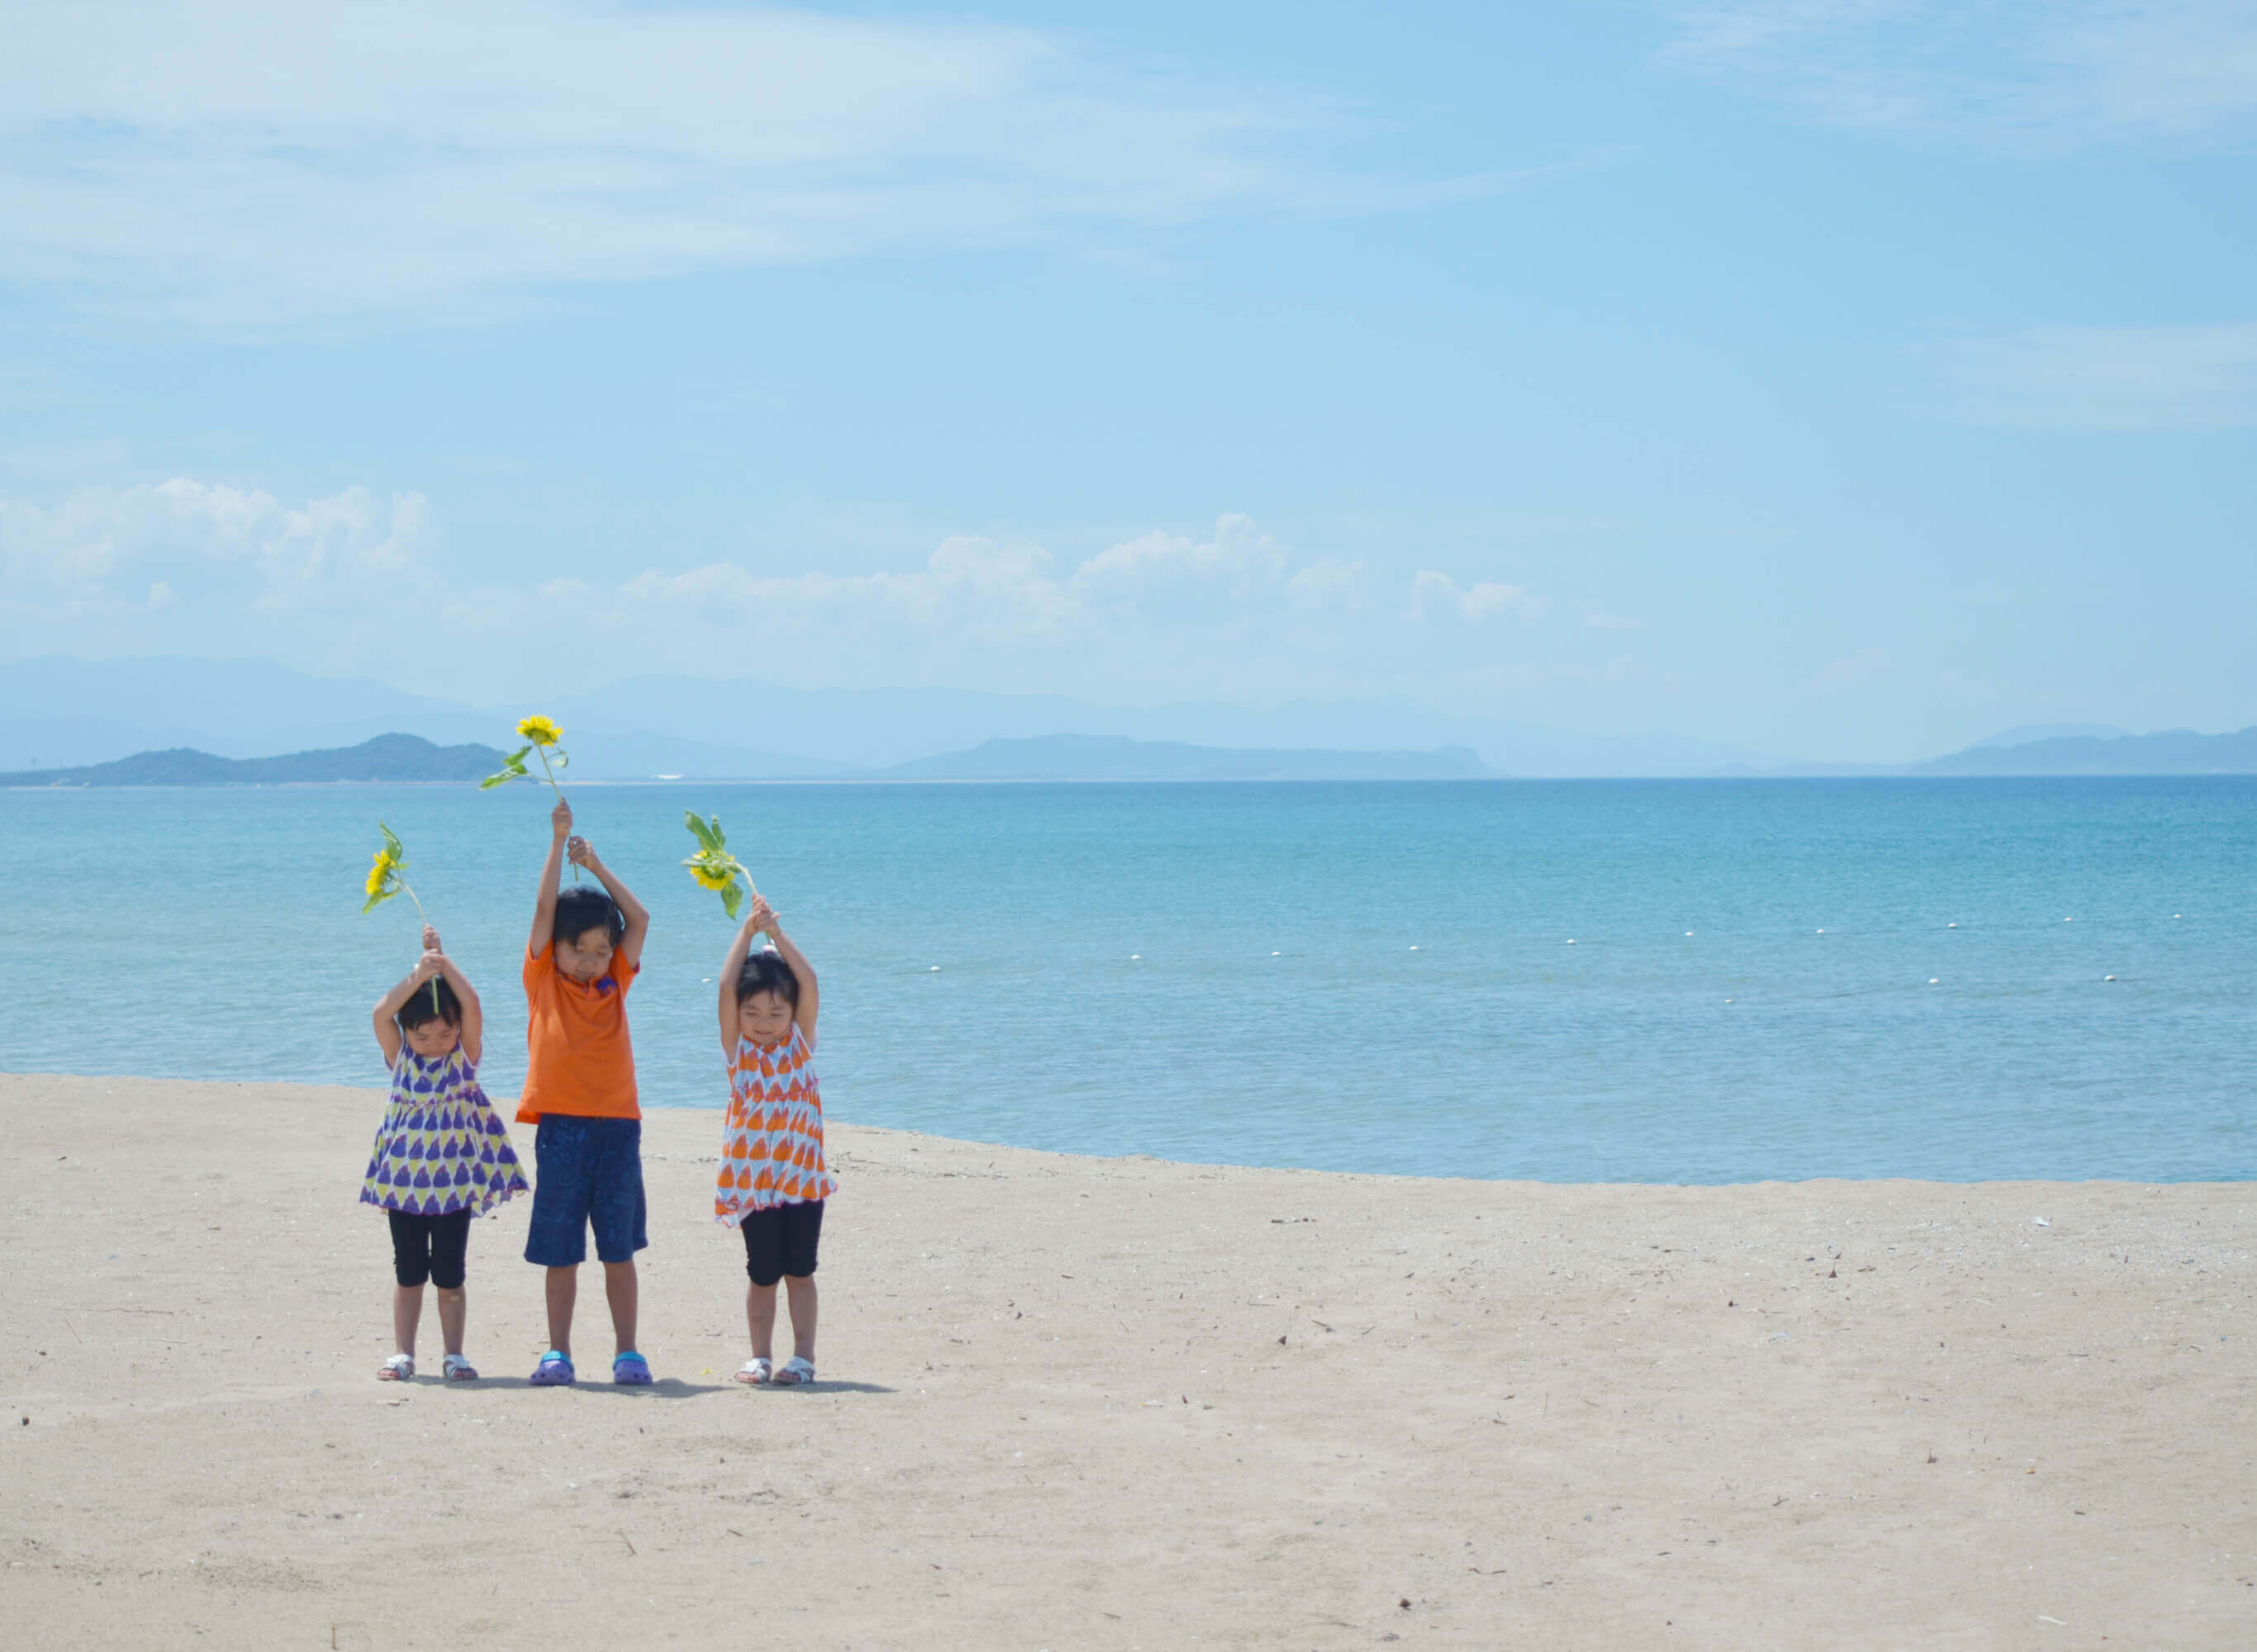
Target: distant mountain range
1076, 757
388, 757
1084, 757
2176, 751
1065, 757
62, 715
59, 712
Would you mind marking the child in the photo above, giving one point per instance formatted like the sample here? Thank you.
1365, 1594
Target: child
442, 1154
773, 1180
581, 956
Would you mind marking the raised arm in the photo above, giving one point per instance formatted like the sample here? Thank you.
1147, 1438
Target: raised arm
473, 1027
628, 953
387, 1029
799, 965
732, 967
544, 905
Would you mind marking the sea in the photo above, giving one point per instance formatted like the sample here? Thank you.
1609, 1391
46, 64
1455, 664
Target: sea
1659, 981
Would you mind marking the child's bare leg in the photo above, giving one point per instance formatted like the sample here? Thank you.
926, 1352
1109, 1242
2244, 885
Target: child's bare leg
407, 1314
801, 1289
563, 1286
620, 1289
759, 1319
452, 1306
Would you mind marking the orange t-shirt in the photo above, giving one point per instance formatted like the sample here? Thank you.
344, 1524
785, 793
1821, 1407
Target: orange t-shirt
578, 1058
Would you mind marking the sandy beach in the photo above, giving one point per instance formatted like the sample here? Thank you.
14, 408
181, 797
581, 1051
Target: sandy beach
1121, 1403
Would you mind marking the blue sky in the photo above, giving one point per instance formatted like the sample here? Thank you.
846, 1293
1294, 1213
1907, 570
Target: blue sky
1847, 379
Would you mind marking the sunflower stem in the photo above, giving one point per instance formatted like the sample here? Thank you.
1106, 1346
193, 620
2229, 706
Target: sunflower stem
559, 790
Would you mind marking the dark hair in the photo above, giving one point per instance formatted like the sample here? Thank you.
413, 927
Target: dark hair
434, 1001
582, 909
765, 972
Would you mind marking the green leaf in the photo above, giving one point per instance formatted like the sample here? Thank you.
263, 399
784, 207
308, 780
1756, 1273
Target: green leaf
732, 898
392, 844
698, 830
378, 898
512, 769
557, 759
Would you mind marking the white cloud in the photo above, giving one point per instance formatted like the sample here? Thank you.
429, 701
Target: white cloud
2019, 75
2107, 378
1850, 672
1433, 593
354, 581
240, 160
208, 540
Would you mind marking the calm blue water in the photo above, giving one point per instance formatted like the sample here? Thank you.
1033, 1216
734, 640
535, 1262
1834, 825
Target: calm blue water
1278, 1013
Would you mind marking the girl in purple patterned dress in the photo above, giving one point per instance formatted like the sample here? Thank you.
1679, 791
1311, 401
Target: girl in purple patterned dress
442, 1154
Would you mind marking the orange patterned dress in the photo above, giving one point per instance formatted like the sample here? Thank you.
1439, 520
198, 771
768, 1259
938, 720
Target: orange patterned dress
772, 1145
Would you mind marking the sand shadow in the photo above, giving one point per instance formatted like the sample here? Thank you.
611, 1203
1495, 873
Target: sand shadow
664, 1388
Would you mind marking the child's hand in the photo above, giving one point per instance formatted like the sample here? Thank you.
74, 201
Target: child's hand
763, 916
579, 850
560, 819
427, 965
431, 940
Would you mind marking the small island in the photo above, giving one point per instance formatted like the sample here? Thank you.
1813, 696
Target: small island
388, 757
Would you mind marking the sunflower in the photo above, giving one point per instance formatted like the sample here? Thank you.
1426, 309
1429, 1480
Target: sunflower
385, 868
541, 731
713, 866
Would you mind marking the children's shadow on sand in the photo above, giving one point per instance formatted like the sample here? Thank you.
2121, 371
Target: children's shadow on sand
676, 1388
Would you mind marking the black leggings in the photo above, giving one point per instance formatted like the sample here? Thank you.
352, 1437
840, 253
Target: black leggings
430, 1247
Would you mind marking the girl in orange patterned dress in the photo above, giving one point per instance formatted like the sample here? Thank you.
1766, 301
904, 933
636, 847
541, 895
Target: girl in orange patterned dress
773, 1180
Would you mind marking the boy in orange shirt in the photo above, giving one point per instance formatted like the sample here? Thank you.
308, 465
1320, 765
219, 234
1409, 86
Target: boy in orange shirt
583, 955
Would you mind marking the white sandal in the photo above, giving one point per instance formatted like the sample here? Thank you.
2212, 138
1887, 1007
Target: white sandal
455, 1368
795, 1371
754, 1371
399, 1368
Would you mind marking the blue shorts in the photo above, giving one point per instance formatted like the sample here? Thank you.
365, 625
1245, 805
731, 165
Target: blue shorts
588, 1173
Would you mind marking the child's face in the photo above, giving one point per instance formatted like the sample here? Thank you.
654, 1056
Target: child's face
586, 955
432, 1038
765, 1017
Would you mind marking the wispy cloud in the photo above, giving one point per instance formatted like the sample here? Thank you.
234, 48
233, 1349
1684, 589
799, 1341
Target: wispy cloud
2017, 75
1850, 672
236, 159
198, 567
2106, 377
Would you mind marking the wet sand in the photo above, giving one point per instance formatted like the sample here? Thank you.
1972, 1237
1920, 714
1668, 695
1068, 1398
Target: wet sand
1074, 1402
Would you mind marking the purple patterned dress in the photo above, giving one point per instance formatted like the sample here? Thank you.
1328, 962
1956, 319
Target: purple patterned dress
442, 1147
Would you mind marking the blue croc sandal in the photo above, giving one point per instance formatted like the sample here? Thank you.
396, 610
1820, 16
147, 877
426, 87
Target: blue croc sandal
554, 1371
631, 1370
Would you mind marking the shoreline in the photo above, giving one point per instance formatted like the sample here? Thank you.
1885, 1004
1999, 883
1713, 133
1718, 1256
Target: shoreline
1123, 1402
506, 1106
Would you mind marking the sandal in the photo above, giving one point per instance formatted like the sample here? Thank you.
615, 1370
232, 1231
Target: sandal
554, 1371
457, 1369
796, 1372
631, 1370
756, 1371
399, 1368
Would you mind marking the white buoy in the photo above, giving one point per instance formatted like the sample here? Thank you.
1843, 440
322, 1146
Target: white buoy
1135, 958
1571, 939
1951, 926
2069, 921
2175, 914
934, 970
1414, 948
1822, 932
2107, 978
1276, 954
1689, 935
1727, 1000
1931, 980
